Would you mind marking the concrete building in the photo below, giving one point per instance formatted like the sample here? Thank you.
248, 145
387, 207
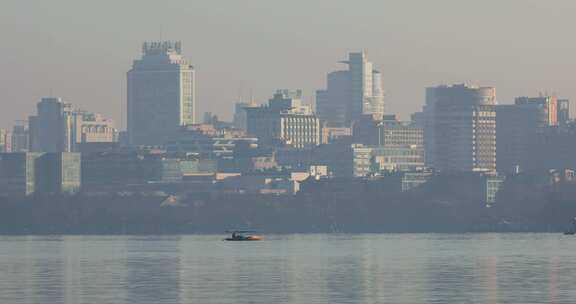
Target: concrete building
111, 171
208, 143
460, 128
547, 105
414, 179
96, 129
59, 127
26, 173
344, 160
5, 141
18, 173
20, 138
47, 128
240, 116
388, 131
285, 121
397, 145
60, 173
398, 157
517, 127
351, 93
366, 130
418, 119
493, 184
271, 182
295, 158
392, 132
563, 113
521, 127
160, 94
335, 134
162, 169
198, 168
551, 148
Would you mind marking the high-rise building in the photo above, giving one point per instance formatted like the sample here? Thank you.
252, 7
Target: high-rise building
563, 111
460, 128
520, 127
5, 141
351, 93
548, 106
284, 121
240, 115
417, 119
20, 138
47, 128
516, 128
160, 94
58, 127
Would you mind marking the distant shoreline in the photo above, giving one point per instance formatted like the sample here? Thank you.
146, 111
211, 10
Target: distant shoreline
369, 211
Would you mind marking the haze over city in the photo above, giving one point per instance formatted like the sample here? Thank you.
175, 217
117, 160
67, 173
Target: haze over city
82, 50
263, 151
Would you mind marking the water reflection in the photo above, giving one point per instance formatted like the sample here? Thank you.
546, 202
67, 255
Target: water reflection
152, 267
518, 268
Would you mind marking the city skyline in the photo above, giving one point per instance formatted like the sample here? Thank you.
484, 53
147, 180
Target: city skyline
412, 53
377, 151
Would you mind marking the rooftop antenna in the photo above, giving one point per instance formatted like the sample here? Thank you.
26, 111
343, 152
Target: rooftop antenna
123, 120
251, 101
240, 97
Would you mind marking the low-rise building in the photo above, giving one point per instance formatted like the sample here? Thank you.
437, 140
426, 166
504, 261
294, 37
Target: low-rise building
18, 175
209, 143
335, 134
60, 173
285, 121
398, 157
27, 173
345, 160
270, 182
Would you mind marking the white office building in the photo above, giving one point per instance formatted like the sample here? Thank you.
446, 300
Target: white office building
160, 94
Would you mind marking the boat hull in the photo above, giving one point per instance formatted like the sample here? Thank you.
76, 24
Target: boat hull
245, 239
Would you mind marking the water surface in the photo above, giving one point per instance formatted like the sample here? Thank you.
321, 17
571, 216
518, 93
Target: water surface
364, 268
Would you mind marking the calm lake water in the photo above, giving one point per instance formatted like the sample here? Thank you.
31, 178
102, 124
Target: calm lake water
368, 268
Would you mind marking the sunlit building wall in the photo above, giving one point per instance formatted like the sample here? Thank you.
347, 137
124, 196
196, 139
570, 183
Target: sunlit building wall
460, 128
160, 94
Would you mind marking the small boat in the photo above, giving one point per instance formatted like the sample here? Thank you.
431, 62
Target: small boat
572, 230
243, 235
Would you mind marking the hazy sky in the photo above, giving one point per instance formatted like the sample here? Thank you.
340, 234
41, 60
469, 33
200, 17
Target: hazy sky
81, 50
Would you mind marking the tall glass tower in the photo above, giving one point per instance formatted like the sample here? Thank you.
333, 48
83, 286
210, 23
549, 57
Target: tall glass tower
351, 93
160, 94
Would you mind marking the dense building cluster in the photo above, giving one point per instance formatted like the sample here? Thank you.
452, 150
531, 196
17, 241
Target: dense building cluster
285, 145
